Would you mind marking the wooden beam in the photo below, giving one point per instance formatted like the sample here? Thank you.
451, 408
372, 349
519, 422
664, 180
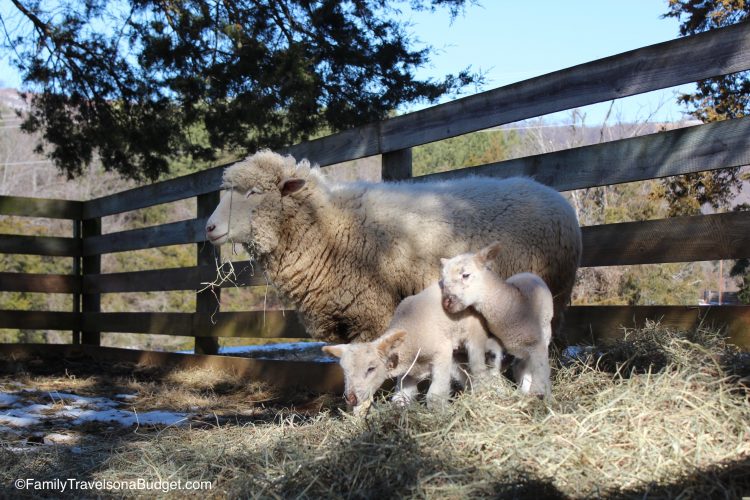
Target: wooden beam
682, 151
684, 60
161, 280
678, 239
255, 324
40, 207
584, 323
140, 322
39, 283
174, 233
157, 193
246, 324
207, 301
397, 166
40, 320
40, 245
90, 264
318, 377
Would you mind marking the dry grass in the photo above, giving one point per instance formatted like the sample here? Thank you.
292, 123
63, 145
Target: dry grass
633, 423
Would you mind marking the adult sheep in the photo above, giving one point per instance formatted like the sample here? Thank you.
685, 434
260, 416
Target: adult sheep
347, 253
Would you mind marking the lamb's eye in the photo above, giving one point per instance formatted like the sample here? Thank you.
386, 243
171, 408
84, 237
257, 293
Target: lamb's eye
370, 370
465, 276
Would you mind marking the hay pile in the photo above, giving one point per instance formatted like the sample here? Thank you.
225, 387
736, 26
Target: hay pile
659, 414
680, 428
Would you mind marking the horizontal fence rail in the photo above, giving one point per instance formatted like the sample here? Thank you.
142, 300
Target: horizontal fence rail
38, 207
39, 283
52, 246
682, 151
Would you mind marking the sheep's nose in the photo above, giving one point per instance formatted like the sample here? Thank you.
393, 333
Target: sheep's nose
351, 399
210, 228
447, 302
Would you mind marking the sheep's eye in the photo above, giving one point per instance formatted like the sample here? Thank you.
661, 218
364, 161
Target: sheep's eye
465, 276
370, 370
251, 192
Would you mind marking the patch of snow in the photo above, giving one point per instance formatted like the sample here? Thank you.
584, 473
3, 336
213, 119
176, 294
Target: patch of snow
578, 353
126, 397
288, 351
25, 412
127, 419
19, 421
7, 399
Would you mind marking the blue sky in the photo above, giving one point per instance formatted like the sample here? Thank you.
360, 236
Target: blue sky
516, 40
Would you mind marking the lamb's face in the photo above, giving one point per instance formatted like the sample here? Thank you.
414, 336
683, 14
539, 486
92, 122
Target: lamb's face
364, 370
459, 282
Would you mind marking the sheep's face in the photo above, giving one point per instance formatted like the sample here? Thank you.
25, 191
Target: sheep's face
366, 366
458, 282
461, 280
251, 205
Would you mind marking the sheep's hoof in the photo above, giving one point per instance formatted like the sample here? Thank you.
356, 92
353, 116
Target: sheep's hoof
362, 409
401, 399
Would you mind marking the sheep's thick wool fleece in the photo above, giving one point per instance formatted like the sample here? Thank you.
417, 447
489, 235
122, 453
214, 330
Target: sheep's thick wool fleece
346, 254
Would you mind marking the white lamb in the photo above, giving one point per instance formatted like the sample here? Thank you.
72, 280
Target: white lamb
346, 254
518, 311
418, 345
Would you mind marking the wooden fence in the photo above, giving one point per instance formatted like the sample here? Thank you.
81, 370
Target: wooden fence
687, 150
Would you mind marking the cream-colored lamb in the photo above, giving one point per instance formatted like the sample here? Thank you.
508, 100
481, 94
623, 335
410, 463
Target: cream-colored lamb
417, 345
518, 311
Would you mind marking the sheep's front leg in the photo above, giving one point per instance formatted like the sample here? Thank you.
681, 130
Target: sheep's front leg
532, 373
476, 351
522, 375
440, 375
406, 390
493, 347
540, 371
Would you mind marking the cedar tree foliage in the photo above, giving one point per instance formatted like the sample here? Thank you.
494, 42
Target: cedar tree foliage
721, 98
139, 83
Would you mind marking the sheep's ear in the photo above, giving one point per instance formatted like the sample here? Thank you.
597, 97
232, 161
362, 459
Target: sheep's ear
443, 261
334, 350
389, 342
489, 253
289, 186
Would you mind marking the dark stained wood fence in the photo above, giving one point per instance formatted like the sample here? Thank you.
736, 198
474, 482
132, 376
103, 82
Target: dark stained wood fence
694, 149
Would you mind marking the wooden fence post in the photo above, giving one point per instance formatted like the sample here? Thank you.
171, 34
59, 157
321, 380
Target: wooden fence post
77, 273
91, 264
396, 165
206, 301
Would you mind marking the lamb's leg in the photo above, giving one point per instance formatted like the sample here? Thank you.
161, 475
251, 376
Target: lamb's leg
493, 347
540, 371
523, 375
440, 383
476, 352
406, 390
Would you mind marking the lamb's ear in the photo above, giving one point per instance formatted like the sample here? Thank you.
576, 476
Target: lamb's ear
289, 186
489, 253
390, 341
334, 350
